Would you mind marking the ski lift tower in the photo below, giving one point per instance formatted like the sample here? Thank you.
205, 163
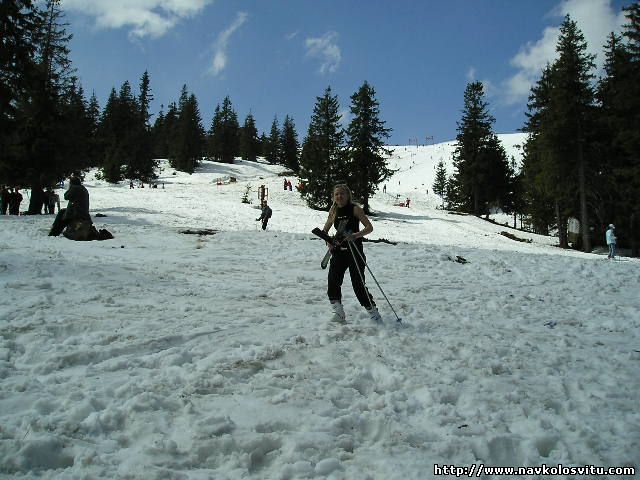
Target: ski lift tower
427, 138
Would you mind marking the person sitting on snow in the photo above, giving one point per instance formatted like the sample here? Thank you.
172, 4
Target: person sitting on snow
75, 218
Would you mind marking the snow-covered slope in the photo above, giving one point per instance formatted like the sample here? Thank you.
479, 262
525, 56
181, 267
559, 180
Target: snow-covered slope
164, 355
416, 167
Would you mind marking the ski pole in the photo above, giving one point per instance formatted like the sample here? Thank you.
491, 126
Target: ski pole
351, 247
398, 319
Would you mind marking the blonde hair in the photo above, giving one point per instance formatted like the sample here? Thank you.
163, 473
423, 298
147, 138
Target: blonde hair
334, 206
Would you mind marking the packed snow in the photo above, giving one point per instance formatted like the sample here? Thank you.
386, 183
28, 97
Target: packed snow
163, 355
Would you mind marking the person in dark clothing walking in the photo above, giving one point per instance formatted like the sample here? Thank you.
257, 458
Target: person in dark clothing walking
348, 254
77, 208
265, 216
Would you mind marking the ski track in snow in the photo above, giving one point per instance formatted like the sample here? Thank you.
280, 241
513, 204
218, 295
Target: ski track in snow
184, 356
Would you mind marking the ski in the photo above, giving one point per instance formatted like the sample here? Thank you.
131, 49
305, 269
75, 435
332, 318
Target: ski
325, 260
328, 238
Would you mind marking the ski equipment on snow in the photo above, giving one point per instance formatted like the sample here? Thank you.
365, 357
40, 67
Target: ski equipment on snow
328, 238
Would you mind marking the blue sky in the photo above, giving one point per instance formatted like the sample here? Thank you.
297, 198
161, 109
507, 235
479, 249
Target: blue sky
276, 57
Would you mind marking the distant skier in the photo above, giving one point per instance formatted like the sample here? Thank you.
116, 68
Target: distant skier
611, 241
348, 254
265, 215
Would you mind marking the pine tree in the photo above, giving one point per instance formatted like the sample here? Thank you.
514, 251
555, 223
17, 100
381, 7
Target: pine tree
290, 145
249, 142
122, 151
158, 139
187, 145
542, 169
272, 151
632, 30
631, 142
214, 136
481, 178
365, 145
450, 192
618, 94
224, 136
108, 137
440, 183
78, 128
141, 163
36, 149
93, 115
19, 23
572, 101
323, 163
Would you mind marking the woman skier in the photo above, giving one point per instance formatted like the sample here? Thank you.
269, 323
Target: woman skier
347, 252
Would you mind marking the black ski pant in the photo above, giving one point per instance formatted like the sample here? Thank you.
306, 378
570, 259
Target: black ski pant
59, 223
264, 223
340, 261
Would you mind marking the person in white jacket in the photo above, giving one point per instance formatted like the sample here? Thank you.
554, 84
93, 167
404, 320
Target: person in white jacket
611, 241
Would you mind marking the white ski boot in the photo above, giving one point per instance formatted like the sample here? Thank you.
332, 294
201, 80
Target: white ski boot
374, 314
338, 313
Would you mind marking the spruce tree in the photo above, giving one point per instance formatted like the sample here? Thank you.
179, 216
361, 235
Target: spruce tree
631, 143
141, 163
77, 125
19, 23
186, 149
481, 177
290, 145
93, 115
440, 183
618, 95
365, 146
214, 137
542, 169
323, 163
38, 146
109, 139
159, 140
272, 150
450, 192
224, 136
121, 149
249, 142
572, 102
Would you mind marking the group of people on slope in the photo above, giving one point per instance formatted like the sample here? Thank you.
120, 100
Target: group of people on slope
10, 199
